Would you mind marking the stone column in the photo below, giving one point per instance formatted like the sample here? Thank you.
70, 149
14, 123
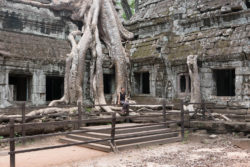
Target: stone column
38, 88
5, 94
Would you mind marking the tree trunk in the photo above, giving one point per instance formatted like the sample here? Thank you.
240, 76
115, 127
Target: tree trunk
136, 5
100, 21
111, 36
126, 8
195, 78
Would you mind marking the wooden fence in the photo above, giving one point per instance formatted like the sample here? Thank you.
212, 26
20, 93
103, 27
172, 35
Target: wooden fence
79, 121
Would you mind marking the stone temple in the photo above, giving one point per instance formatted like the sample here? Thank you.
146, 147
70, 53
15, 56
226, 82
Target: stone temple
33, 47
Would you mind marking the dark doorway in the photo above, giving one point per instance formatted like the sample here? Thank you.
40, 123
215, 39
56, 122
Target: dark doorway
21, 86
108, 81
183, 83
145, 83
54, 87
142, 83
225, 82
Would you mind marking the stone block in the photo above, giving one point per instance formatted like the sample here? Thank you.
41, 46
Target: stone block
242, 71
243, 143
39, 89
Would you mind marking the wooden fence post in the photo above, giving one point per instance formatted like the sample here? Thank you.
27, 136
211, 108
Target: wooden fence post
127, 114
113, 128
164, 112
23, 122
203, 110
182, 120
79, 104
12, 143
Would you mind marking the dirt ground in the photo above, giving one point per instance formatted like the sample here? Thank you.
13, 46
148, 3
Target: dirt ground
49, 158
219, 152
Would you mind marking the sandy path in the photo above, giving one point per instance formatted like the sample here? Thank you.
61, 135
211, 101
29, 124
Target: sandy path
48, 158
54, 157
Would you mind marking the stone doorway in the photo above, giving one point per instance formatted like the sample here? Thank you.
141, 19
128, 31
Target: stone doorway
225, 82
142, 83
109, 83
20, 86
54, 87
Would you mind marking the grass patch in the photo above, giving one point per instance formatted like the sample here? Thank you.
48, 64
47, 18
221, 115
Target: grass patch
88, 110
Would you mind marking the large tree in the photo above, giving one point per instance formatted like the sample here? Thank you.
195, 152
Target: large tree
100, 23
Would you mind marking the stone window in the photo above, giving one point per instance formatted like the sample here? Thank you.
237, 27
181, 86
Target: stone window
54, 87
20, 85
184, 83
109, 83
225, 82
142, 83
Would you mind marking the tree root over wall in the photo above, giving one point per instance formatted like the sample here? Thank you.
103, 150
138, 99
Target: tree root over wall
100, 23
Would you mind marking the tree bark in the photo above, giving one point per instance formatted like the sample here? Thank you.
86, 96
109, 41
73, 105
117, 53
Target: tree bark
136, 5
126, 8
195, 78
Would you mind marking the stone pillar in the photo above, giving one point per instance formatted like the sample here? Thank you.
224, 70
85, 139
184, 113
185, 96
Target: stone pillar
152, 84
38, 88
5, 94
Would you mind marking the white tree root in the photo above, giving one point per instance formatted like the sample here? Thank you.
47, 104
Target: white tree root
100, 22
195, 78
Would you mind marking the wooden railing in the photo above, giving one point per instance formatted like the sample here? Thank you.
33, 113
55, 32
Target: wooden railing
113, 120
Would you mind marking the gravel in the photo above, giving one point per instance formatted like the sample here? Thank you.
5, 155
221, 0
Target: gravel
218, 153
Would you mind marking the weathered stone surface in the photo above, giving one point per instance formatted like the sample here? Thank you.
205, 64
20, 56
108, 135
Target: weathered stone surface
221, 127
32, 41
216, 31
242, 143
30, 47
167, 31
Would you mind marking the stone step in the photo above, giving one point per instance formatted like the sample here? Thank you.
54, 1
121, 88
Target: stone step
145, 138
128, 140
107, 135
147, 143
140, 129
153, 134
125, 130
82, 138
96, 146
105, 148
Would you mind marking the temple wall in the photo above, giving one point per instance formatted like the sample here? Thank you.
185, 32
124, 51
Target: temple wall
217, 31
33, 46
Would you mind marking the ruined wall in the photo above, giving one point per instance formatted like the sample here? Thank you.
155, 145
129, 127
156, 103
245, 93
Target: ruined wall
217, 31
32, 42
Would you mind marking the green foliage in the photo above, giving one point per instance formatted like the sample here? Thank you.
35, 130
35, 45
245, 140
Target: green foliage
186, 134
88, 110
17, 134
1, 137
